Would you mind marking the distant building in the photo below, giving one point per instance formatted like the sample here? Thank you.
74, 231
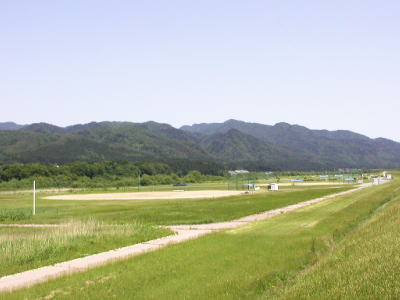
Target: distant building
235, 172
297, 180
389, 176
350, 179
273, 187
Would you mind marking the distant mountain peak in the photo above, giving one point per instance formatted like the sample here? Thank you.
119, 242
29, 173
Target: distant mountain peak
233, 121
283, 125
10, 126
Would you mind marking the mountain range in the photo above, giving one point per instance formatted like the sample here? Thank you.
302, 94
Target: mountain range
233, 143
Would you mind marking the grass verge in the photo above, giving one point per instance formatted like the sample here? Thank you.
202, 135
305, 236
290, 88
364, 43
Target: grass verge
365, 265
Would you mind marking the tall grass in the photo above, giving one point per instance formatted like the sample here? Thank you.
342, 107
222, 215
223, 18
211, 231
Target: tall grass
25, 248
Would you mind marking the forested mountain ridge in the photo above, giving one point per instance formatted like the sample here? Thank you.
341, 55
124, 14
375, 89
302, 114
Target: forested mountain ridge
234, 143
332, 148
95, 142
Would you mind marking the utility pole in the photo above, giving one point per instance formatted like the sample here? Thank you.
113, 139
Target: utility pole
34, 197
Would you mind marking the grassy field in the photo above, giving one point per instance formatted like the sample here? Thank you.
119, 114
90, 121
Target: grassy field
16, 208
286, 256
96, 226
221, 185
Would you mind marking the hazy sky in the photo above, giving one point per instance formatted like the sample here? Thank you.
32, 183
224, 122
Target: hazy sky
321, 64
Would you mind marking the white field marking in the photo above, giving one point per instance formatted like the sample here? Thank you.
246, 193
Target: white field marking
149, 195
182, 233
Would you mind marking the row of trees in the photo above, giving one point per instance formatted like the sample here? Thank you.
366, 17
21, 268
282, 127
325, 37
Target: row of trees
100, 174
83, 169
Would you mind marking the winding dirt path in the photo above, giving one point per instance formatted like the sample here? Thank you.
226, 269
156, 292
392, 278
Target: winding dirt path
182, 233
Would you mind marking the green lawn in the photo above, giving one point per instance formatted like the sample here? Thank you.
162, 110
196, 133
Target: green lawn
17, 208
266, 259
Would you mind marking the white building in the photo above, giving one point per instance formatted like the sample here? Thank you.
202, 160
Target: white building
238, 172
273, 187
389, 176
376, 181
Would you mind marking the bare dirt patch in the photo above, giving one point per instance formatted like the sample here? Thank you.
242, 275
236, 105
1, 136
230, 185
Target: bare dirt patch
149, 195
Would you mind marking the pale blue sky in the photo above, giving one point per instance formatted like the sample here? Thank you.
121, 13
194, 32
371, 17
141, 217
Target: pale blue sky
321, 64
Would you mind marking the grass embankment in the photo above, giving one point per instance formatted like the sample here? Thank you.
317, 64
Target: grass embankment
365, 265
17, 208
258, 260
27, 248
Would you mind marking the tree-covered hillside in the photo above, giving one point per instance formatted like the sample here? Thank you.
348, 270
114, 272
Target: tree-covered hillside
97, 141
235, 144
330, 148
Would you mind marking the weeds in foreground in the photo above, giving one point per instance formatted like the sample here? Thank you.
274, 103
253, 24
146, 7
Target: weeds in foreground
22, 248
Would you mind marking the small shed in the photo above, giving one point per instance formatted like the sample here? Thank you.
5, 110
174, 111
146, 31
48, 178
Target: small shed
273, 187
389, 176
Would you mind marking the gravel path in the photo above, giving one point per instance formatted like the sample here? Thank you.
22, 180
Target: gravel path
183, 233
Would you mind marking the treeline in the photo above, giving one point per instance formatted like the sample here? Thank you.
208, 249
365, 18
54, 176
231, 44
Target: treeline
100, 174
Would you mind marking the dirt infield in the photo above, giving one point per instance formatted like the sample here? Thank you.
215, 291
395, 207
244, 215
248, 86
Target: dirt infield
149, 195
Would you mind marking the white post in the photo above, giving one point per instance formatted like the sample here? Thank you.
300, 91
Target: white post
34, 197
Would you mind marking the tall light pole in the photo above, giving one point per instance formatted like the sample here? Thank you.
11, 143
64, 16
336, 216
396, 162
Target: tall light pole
34, 197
